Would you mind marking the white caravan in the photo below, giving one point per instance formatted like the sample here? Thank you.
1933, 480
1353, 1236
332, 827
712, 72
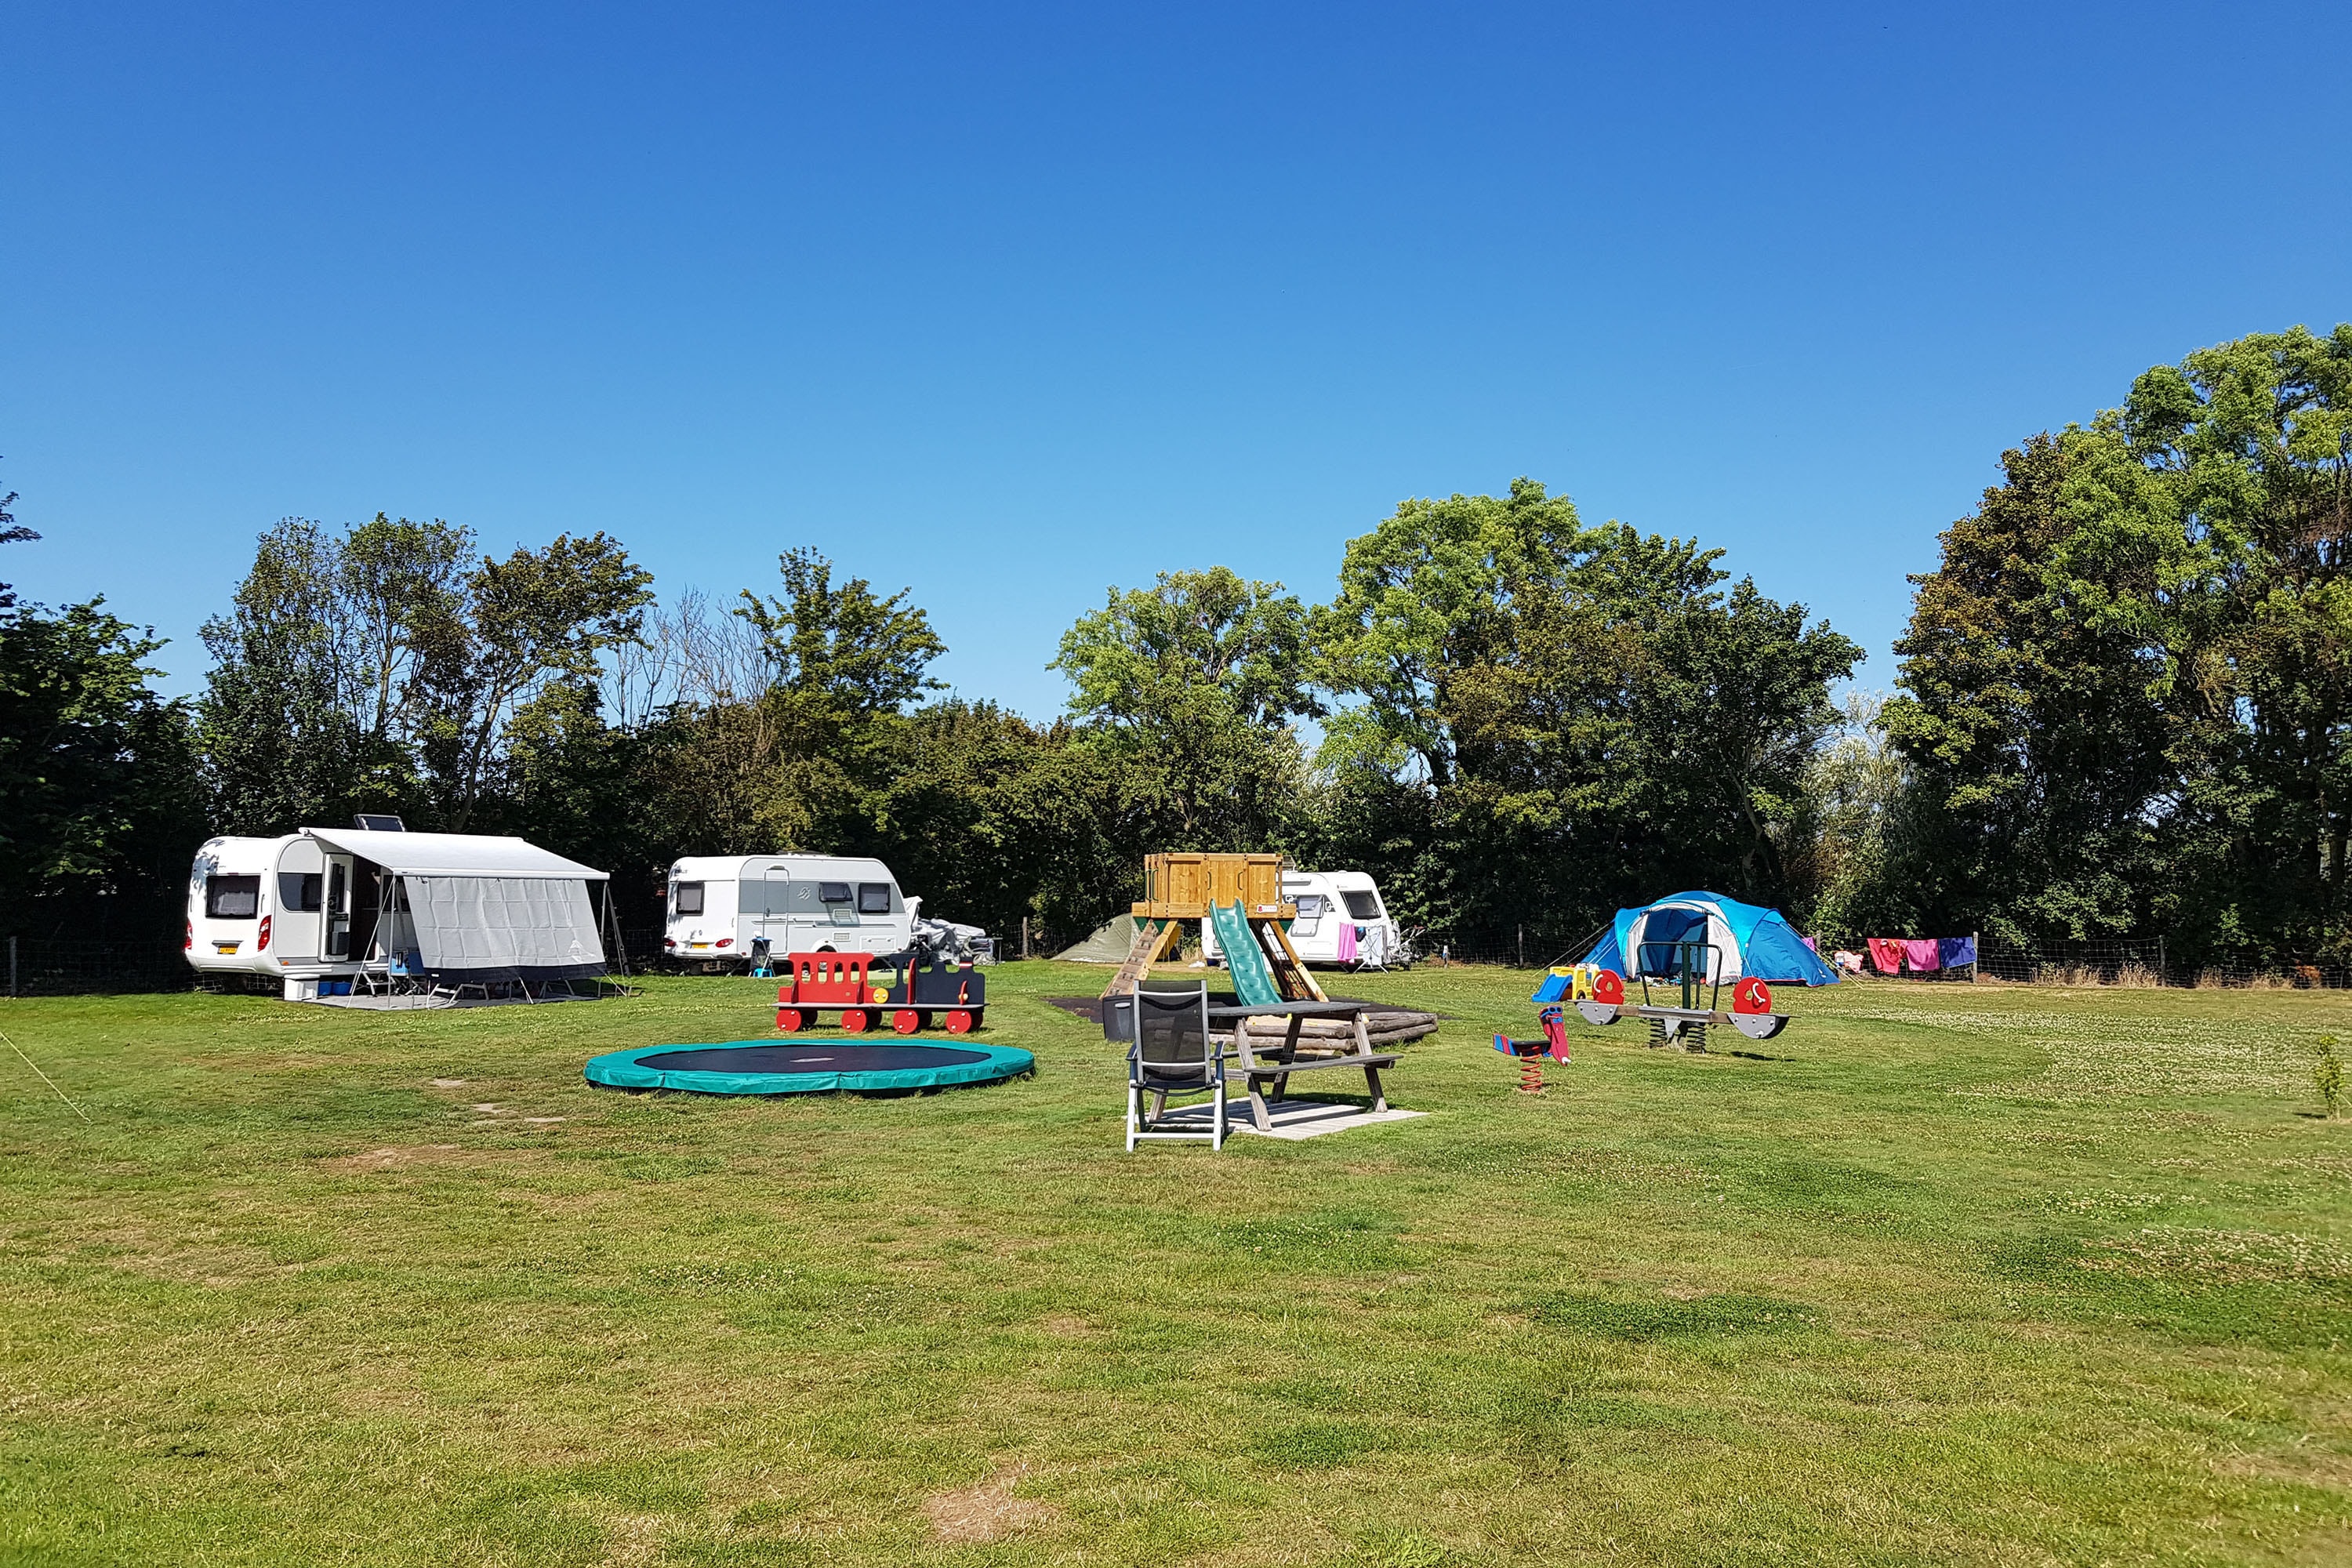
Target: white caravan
318, 908
1328, 902
720, 904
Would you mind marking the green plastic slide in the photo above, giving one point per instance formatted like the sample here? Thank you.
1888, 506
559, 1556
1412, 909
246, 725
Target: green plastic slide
1253, 980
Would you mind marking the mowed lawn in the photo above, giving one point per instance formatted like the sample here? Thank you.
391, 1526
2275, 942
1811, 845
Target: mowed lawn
1945, 1274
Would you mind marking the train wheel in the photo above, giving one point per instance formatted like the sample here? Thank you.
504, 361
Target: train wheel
855, 1020
959, 1021
789, 1020
906, 1020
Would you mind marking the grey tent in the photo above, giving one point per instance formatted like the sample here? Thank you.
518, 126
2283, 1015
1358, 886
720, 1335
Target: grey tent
1107, 945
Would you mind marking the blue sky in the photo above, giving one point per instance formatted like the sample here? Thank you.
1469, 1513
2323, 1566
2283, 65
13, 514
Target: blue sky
1009, 304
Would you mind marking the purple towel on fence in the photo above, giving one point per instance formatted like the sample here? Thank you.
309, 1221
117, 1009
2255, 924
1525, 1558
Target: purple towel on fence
1919, 954
1811, 945
1955, 950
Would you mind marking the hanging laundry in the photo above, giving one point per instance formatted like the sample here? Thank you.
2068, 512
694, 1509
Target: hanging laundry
1956, 951
1347, 942
1847, 960
1886, 953
1920, 953
1810, 943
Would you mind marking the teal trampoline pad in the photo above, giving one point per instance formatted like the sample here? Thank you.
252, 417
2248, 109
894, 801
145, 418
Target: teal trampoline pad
807, 1067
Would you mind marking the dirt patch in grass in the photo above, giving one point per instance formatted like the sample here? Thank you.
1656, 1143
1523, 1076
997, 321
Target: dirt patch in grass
1679, 1316
989, 1511
396, 1159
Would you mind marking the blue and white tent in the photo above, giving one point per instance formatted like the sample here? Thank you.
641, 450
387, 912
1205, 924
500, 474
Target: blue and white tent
1749, 939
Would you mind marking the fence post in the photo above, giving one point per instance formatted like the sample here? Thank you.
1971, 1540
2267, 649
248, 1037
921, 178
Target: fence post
1024, 936
11, 967
1976, 945
1523, 947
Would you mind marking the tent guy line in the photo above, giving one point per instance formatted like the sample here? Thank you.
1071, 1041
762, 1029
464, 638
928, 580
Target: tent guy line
46, 1079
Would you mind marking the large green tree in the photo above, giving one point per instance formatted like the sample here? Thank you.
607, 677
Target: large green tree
388, 666
1189, 688
516, 635
2128, 687
2034, 672
1425, 595
98, 792
1548, 718
281, 742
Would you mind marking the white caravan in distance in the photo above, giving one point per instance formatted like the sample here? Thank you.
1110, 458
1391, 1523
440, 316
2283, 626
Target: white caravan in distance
720, 904
1328, 900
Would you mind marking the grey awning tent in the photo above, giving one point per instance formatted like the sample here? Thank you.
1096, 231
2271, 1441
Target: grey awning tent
476, 907
1107, 945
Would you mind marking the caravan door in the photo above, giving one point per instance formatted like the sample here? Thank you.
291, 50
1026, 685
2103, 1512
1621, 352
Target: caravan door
341, 880
297, 926
767, 907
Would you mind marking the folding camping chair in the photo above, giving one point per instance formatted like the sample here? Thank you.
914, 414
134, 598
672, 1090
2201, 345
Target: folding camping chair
402, 975
1173, 1053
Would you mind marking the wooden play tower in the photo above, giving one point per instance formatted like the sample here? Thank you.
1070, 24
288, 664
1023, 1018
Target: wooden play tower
1182, 886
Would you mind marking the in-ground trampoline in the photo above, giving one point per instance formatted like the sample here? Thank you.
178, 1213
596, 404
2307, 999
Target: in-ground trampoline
805, 1067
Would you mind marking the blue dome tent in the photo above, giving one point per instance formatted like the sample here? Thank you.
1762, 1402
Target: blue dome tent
1752, 940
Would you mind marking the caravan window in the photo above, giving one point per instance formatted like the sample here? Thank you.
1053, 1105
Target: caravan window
1363, 906
689, 899
232, 898
301, 890
873, 898
833, 893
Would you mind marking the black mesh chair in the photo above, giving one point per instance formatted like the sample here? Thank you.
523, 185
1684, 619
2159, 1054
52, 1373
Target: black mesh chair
1173, 1053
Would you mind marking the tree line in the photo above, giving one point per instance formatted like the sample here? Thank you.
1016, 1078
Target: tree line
2125, 699
2122, 707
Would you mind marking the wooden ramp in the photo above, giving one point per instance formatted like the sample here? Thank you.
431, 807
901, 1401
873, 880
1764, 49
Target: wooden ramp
1150, 937
1298, 984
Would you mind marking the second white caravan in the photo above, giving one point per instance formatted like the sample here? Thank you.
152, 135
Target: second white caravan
1341, 921
720, 904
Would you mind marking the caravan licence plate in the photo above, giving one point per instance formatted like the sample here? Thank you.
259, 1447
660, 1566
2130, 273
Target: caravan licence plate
226, 946
698, 944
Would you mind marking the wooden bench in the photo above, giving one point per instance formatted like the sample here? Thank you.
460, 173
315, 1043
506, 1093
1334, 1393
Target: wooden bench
1281, 1059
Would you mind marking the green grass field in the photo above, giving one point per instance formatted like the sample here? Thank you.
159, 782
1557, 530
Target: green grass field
1945, 1274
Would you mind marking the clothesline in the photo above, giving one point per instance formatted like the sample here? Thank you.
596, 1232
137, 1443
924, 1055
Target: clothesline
1918, 955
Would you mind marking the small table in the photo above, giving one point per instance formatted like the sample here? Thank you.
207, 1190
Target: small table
1256, 1074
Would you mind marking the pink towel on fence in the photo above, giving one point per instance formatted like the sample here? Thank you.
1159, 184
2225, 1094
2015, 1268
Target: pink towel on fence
1920, 953
1885, 953
1347, 942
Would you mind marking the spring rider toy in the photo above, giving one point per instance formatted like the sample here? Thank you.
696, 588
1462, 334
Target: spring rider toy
1530, 1053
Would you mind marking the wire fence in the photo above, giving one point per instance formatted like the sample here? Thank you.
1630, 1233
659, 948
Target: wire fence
2143, 962
51, 966
45, 966
48, 966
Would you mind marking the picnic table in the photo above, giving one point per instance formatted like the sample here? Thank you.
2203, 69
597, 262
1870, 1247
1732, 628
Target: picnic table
1281, 1057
